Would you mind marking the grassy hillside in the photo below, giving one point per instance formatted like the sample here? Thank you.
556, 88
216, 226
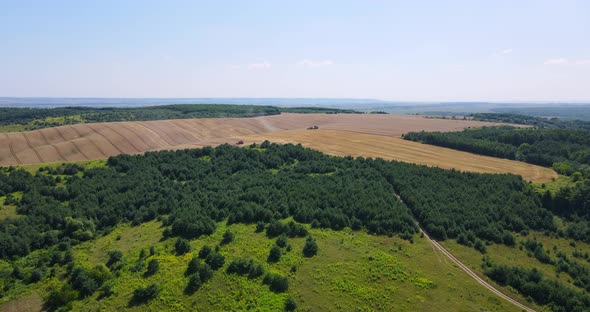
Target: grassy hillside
353, 271
86, 236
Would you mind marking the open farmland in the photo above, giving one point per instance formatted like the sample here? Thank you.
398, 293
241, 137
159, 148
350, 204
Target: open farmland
340, 134
100, 140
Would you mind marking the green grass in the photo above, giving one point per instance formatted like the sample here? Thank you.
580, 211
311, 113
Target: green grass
14, 128
7, 211
517, 256
554, 186
353, 271
43, 123
87, 164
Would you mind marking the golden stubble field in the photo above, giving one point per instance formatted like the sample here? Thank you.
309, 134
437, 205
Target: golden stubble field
340, 134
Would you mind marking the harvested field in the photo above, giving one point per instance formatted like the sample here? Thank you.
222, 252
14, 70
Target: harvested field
339, 134
344, 143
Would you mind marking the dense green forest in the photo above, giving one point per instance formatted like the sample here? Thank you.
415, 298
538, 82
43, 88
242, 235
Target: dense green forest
567, 151
190, 191
37, 118
195, 188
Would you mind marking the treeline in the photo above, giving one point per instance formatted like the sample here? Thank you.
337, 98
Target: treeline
572, 202
566, 150
540, 122
532, 284
36, 118
317, 110
191, 190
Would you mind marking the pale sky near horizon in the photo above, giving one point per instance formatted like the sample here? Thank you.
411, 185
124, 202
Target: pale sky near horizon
390, 50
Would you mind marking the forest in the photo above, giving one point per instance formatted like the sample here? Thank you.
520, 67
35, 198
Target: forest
566, 150
191, 190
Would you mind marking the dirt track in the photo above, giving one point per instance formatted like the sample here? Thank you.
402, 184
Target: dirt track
474, 275
341, 134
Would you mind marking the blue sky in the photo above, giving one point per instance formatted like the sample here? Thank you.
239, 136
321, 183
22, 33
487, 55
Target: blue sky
392, 50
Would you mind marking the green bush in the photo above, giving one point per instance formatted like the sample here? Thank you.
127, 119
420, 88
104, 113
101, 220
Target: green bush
194, 283
282, 241
310, 248
228, 237
153, 267
275, 254
182, 246
144, 294
204, 252
276, 283
290, 305
215, 260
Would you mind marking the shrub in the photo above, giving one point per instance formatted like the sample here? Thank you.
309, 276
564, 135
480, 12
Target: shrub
139, 266
215, 260
182, 246
193, 266
17, 273
36, 276
276, 283
290, 305
275, 254
204, 252
153, 267
61, 299
259, 226
194, 283
228, 237
239, 266
310, 248
87, 282
114, 257
205, 272
106, 291
282, 241
245, 267
480, 246
142, 294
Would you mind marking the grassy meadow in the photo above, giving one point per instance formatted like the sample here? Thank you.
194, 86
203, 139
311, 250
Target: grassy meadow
353, 271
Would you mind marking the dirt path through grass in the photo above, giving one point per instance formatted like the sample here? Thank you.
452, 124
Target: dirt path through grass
474, 275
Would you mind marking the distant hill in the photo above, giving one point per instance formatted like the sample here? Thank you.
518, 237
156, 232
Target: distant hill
135, 102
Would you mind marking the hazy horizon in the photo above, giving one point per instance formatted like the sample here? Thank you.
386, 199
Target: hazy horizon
419, 51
